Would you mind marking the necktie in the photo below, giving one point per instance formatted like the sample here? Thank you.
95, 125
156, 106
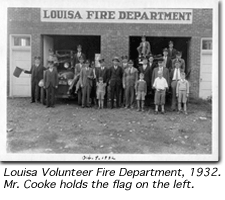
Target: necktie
176, 74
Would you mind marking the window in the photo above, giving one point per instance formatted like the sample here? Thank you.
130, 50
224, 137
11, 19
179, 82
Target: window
21, 41
207, 44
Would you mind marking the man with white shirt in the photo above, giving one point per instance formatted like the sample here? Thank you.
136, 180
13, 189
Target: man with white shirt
175, 77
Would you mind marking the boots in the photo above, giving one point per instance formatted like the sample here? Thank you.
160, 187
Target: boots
142, 106
138, 106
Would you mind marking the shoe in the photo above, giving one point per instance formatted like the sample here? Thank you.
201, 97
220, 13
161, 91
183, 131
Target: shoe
53, 106
178, 112
163, 112
156, 112
126, 107
82, 106
32, 102
142, 110
47, 106
132, 107
185, 112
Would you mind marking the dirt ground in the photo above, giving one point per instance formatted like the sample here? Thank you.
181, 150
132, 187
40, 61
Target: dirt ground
68, 128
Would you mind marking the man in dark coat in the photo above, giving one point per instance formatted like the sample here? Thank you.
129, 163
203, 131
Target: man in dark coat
36, 72
167, 59
102, 71
51, 84
171, 51
115, 81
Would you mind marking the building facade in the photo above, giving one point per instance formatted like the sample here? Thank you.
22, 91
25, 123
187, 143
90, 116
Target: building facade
32, 31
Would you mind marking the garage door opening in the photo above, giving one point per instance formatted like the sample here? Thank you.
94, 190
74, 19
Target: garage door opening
91, 45
158, 44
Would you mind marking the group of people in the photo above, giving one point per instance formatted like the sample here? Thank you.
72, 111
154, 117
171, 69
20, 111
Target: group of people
121, 85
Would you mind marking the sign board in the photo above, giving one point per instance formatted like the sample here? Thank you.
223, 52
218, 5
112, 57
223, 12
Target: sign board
149, 16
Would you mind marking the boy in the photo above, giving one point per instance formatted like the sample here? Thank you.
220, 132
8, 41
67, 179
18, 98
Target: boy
182, 92
100, 92
160, 84
141, 90
50, 84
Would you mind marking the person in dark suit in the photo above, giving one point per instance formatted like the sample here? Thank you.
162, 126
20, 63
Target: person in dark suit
36, 72
171, 51
144, 47
77, 56
50, 84
167, 59
178, 58
175, 76
115, 81
102, 71
124, 67
161, 68
86, 82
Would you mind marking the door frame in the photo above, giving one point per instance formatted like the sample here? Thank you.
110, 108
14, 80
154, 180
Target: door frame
12, 48
202, 51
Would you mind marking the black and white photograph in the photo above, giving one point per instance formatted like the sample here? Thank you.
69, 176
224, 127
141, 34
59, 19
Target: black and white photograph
111, 83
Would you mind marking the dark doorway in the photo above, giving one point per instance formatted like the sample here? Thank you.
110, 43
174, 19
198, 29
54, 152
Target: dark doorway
91, 45
158, 44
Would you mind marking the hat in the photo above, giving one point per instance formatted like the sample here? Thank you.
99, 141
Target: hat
165, 50
170, 42
79, 46
178, 53
116, 58
124, 57
37, 57
130, 62
81, 58
101, 60
150, 55
160, 59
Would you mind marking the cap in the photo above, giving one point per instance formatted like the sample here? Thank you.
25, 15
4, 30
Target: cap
160, 60
150, 55
165, 50
178, 53
131, 62
101, 60
116, 58
124, 57
37, 57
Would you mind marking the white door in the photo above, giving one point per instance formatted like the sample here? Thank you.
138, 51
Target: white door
48, 43
206, 69
21, 86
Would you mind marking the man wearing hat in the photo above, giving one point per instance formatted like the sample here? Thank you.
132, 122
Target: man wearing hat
115, 81
130, 77
144, 48
124, 66
50, 83
102, 71
178, 58
161, 68
146, 70
175, 77
167, 59
36, 72
86, 82
78, 55
171, 51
